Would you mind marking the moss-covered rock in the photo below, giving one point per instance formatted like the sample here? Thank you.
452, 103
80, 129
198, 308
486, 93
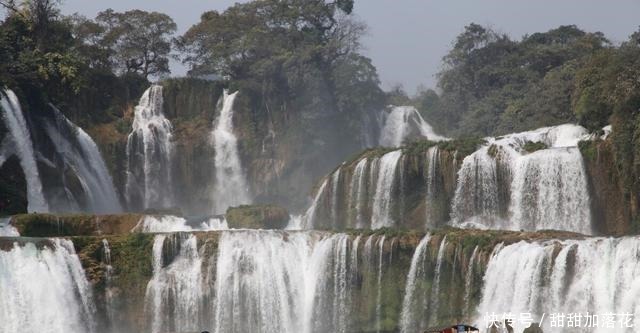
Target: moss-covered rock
50, 225
257, 217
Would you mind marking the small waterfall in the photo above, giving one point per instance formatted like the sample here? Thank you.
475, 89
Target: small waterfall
596, 275
433, 155
310, 217
358, 183
170, 223
81, 154
414, 303
468, 281
404, 122
6, 229
549, 191
44, 289
335, 183
149, 154
379, 284
382, 202
503, 186
231, 185
435, 290
174, 294
108, 278
19, 133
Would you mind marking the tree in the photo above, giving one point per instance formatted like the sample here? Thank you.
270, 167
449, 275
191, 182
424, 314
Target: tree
263, 38
140, 41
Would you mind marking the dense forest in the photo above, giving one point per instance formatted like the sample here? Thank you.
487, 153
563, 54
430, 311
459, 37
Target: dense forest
302, 60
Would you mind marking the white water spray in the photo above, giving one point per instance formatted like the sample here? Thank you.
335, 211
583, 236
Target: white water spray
149, 154
231, 185
19, 132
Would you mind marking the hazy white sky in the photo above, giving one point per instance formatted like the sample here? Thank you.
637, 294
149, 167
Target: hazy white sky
407, 38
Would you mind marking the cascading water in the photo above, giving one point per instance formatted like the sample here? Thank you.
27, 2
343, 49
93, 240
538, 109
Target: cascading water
170, 223
433, 155
435, 289
358, 183
6, 229
149, 154
44, 289
414, 303
503, 186
599, 276
404, 122
175, 293
382, 201
19, 133
259, 281
81, 154
230, 183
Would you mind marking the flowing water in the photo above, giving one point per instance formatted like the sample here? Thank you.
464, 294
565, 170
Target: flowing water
149, 150
171, 223
44, 289
382, 199
230, 183
600, 276
80, 153
6, 229
503, 186
405, 122
19, 133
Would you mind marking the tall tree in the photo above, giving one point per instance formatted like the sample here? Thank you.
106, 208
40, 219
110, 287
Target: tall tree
140, 41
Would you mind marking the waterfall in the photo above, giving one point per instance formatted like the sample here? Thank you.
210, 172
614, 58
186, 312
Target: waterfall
231, 185
433, 155
595, 275
309, 218
174, 294
259, 281
379, 284
81, 154
358, 183
382, 201
44, 289
549, 191
404, 122
414, 303
504, 186
108, 278
170, 223
435, 289
19, 133
335, 182
468, 280
6, 229
149, 154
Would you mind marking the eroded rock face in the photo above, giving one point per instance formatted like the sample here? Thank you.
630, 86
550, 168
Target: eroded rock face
257, 217
612, 202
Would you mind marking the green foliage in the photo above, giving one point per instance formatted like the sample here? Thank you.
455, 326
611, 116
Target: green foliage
492, 85
531, 146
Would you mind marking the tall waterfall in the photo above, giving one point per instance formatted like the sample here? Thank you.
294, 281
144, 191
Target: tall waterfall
44, 289
503, 186
81, 154
599, 276
230, 183
19, 132
404, 122
382, 202
433, 154
149, 154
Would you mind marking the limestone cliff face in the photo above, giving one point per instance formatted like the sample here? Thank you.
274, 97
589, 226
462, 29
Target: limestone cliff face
612, 204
